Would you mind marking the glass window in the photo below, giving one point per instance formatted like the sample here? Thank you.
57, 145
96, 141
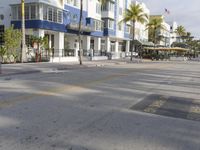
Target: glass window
97, 25
75, 3
98, 8
111, 6
55, 16
111, 24
120, 27
33, 11
19, 13
1, 34
27, 14
50, 14
28, 40
128, 29
14, 12
45, 12
60, 16
103, 45
74, 17
104, 7
120, 11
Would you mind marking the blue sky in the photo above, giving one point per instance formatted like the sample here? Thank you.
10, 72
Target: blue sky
184, 12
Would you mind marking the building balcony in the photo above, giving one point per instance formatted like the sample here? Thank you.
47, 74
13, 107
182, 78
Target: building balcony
84, 28
108, 14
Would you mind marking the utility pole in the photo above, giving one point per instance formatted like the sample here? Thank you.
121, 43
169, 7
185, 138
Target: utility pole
23, 52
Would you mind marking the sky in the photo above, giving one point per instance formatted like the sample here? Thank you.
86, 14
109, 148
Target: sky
184, 12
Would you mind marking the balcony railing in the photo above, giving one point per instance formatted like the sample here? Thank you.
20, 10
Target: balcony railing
75, 26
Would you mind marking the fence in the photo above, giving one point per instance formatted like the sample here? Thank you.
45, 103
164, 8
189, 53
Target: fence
33, 55
94, 53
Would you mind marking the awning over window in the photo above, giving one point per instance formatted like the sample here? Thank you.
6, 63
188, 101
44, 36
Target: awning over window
167, 49
144, 43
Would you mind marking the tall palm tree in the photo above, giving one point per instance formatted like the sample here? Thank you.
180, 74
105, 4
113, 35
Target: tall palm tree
180, 31
188, 37
103, 1
134, 14
79, 32
153, 26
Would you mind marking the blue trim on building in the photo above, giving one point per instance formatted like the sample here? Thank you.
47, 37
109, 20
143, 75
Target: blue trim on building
90, 22
97, 33
108, 32
126, 35
40, 24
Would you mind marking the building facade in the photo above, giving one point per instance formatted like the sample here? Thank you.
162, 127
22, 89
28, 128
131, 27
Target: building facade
102, 29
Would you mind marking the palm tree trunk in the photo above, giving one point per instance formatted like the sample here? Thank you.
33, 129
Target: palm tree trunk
133, 40
79, 33
155, 38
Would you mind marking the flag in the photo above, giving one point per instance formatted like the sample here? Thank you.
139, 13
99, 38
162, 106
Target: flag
167, 11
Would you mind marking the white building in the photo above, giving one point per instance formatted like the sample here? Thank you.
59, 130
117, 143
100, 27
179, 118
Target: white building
173, 34
58, 21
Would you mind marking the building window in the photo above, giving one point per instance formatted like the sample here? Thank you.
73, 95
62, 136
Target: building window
27, 12
104, 7
111, 24
50, 14
112, 46
19, 13
72, 2
55, 16
74, 18
33, 11
120, 26
98, 25
60, 16
1, 34
76, 3
98, 8
103, 45
128, 29
28, 40
111, 6
14, 12
45, 12
120, 11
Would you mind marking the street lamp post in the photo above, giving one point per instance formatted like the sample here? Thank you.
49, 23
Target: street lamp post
23, 52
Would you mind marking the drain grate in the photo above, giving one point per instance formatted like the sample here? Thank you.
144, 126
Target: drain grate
177, 107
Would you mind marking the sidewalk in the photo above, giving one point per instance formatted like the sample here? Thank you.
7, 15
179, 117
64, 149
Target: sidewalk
28, 68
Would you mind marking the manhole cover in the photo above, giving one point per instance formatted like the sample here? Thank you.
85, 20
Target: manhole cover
177, 107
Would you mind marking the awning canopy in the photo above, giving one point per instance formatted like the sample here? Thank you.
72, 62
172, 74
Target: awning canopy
144, 43
167, 49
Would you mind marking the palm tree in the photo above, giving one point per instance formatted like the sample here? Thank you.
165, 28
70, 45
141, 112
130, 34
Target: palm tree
103, 1
135, 13
180, 31
188, 37
153, 26
79, 32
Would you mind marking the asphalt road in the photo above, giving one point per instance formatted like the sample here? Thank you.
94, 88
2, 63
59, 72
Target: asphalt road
114, 106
